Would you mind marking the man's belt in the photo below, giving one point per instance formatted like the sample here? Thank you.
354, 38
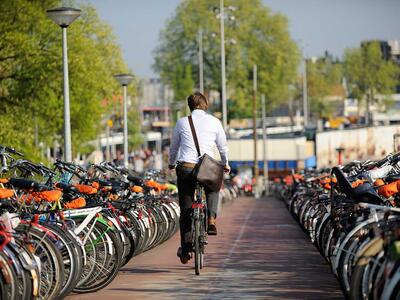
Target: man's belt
187, 165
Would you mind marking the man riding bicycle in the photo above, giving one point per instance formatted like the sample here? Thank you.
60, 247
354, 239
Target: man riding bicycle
183, 155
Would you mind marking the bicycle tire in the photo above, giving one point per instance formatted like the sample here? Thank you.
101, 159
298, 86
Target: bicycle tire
24, 282
2, 289
363, 259
69, 253
7, 269
111, 266
197, 250
48, 252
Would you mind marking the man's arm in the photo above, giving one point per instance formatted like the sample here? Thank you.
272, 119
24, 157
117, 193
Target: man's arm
222, 145
175, 142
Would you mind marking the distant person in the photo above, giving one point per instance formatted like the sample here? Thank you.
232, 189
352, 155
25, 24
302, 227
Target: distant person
183, 155
138, 164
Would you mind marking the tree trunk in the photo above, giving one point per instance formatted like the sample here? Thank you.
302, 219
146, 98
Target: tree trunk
290, 106
368, 114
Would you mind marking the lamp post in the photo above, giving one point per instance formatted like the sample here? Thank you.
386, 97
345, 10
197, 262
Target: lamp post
223, 76
201, 76
124, 80
255, 134
265, 164
221, 15
305, 94
63, 17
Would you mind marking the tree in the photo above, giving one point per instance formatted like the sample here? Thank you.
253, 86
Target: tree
369, 74
261, 37
183, 83
31, 75
323, 79
135, 137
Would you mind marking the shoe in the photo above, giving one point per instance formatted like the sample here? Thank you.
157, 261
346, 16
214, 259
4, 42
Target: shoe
212, 228
184, 257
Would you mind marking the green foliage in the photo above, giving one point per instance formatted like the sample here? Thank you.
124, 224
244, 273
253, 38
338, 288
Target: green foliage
31, 74
183, 83
261, 37
135, 138
323, 79
368, 73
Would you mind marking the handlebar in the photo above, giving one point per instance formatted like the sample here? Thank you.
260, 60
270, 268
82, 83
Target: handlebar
9, 150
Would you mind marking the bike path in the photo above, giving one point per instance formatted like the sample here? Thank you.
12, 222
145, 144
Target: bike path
260, 253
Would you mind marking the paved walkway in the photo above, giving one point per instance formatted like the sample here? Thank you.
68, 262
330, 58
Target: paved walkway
260, 253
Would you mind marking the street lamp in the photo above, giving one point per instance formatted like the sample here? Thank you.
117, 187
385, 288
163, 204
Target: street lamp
221, 16
124, 80
223, 77
63, 17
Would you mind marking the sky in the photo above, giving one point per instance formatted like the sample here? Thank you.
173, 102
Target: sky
317, 25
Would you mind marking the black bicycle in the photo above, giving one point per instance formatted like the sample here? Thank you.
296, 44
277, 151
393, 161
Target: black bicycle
199, 227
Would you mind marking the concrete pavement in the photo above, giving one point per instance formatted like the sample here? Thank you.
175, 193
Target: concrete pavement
259, 253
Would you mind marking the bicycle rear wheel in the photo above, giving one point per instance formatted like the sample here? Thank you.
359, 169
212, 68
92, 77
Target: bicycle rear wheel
197, 248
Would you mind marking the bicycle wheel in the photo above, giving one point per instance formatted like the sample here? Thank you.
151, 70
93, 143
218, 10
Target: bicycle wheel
203, 238
197, 250
108, 248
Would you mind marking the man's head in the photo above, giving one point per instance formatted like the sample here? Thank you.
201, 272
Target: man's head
197, 101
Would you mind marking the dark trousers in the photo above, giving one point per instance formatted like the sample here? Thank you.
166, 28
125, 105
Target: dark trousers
186, 188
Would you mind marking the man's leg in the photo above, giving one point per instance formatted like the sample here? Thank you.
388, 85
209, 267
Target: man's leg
212, 205
186, 187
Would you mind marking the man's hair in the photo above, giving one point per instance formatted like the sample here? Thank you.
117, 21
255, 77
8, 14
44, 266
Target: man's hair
197, 101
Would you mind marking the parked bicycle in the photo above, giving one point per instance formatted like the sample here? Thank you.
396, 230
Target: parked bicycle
352, 215
72, 229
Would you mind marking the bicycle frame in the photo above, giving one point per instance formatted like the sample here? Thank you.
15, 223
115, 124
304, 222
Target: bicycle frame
199, 226
89, 214
199, 205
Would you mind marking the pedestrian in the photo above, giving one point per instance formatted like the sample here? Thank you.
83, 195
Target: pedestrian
183, 156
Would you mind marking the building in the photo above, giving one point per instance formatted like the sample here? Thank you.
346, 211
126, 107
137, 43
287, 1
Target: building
154, 100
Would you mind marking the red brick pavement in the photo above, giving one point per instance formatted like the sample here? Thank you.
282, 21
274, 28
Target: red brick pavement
259, 253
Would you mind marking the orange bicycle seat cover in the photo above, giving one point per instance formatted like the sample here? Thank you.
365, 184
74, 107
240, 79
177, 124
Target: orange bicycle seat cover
357, 183
136, 189
86, 189
6, 193
388, 190
379, 182
76, 203
50, 196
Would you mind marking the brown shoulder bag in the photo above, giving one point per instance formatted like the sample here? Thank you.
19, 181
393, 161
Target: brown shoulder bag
208, 171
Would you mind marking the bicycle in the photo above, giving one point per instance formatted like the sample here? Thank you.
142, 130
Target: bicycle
199, 227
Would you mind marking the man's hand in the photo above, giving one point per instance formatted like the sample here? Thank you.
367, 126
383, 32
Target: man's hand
227, 169
171, 167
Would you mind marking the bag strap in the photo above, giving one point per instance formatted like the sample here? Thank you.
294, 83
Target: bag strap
196, 142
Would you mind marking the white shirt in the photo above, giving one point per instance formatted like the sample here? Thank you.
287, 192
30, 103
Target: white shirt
209, 133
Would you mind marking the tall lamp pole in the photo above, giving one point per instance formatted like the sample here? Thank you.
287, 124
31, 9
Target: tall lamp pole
124, 80
255, 122
264, 125
223, 76
305, 94
63, 17
201, 72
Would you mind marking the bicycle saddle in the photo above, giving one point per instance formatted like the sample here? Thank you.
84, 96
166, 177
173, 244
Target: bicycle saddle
67, 188
362, 193
28, 184
392, 178
136, 180
366, 193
